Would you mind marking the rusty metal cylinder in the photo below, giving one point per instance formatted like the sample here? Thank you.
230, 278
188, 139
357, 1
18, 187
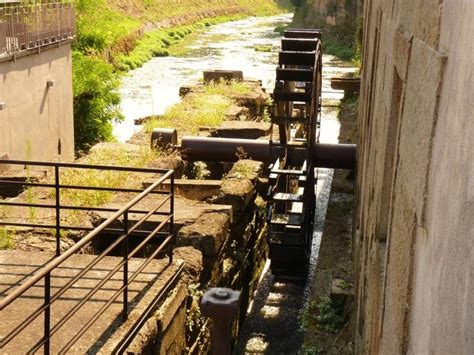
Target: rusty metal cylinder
335, 156
222, 306
164, 138
332, 156
224, 149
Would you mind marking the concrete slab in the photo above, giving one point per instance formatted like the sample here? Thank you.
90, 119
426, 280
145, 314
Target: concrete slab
15, 266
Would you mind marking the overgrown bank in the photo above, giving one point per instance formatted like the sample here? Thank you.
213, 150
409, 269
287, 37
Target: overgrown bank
340, 22
113, 37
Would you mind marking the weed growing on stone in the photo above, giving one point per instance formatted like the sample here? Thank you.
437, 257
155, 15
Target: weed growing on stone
194, 111
200, 171
105, 178
194, 319
227, 88
6, 239
243, 171
263, 48
323, 315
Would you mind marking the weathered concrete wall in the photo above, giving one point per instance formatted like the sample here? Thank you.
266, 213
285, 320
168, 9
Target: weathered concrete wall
37, 122
415, 221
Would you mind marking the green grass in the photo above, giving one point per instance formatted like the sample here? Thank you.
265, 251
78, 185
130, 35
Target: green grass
202, 109
107, 23
6, 239
194, 111
227, 88
120, 156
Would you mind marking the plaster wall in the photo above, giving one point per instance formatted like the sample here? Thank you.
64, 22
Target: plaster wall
37, 122
414, 258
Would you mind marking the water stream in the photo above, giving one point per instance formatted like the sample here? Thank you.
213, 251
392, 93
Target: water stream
155, 86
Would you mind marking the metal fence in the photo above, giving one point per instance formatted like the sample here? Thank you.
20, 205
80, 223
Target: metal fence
29, 26
163, 199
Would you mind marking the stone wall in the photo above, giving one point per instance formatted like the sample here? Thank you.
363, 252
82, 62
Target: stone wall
415, 220
37, 121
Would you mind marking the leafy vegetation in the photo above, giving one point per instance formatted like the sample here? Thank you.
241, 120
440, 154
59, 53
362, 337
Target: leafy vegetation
323, 314
96, 100
340, 50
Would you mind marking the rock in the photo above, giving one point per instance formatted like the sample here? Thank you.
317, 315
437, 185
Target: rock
227, 75
238, 187
341, 291
198, 190
193, 262
242, 129
207, 234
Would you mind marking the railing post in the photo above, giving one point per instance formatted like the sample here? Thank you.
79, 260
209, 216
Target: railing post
58, 210
172, 218
222, 306
125, 267
47, 312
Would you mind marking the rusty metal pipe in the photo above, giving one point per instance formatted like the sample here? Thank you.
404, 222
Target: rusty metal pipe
224, 149
333, 156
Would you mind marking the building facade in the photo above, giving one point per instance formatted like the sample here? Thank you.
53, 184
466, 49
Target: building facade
414, 230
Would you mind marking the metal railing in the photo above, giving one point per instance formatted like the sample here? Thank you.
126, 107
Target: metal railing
166, 238
29, 26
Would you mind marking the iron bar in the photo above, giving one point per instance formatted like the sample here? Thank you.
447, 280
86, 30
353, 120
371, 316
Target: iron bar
77, 187
336, 156
47, 313
74, 208
171, 224
58, 210
83, 166
125, 268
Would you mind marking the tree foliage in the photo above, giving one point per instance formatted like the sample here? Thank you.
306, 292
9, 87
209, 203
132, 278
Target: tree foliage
96, 99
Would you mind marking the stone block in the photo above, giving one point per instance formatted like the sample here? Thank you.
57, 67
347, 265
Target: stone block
227, 75
242, 129
207, 234
341, 291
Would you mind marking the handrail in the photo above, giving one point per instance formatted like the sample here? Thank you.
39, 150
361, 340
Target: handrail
76, 247
166, 240
58, 187
29, 26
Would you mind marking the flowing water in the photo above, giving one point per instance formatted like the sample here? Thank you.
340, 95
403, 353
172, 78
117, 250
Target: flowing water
272, 321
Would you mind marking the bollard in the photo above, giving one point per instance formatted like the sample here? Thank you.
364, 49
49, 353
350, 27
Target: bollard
221, 305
